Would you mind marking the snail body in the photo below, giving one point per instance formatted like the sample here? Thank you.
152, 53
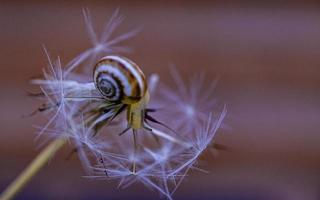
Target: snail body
121, 81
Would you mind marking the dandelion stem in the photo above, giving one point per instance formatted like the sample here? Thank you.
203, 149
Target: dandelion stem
32, 169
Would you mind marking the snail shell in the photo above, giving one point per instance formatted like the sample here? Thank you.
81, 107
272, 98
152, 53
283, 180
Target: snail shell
119, 80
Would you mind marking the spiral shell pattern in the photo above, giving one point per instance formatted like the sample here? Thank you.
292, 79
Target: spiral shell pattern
119, 80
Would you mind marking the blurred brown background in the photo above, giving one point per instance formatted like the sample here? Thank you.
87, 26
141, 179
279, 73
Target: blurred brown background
266, 55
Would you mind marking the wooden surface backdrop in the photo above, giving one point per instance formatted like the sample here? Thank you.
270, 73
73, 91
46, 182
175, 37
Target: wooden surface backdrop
267, 58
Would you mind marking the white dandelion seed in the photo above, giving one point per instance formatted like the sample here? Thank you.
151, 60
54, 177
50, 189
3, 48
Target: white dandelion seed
102, 45
191, 102
54, 94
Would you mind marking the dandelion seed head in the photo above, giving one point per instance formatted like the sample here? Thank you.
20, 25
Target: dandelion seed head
181, 121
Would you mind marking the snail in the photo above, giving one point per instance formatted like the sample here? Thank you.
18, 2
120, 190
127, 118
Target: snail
121, 81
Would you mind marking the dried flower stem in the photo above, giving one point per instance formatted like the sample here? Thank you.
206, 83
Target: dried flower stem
32, 169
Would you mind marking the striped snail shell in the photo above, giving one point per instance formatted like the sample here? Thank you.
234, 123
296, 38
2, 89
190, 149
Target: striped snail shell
119, 80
